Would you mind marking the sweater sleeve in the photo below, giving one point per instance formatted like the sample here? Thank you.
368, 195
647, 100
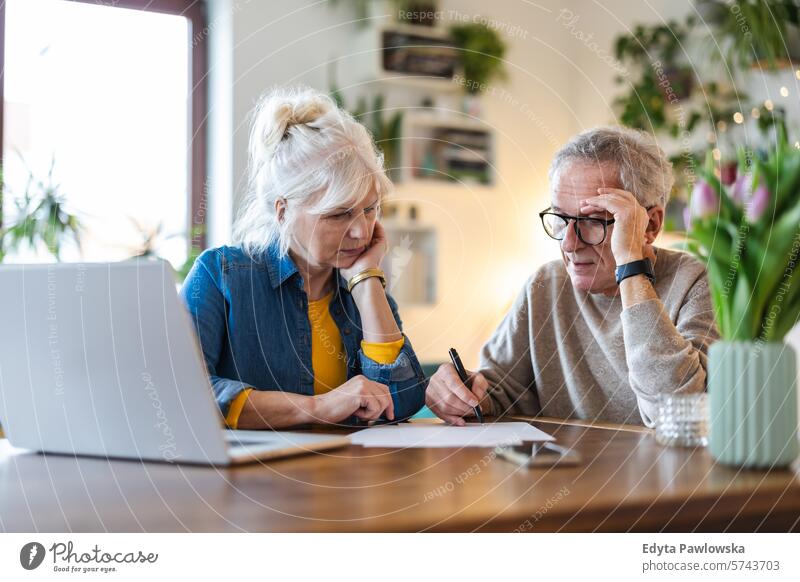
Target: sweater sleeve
665, 356
505, 362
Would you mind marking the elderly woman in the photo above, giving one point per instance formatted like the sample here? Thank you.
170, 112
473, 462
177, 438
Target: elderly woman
294, 322
601, 333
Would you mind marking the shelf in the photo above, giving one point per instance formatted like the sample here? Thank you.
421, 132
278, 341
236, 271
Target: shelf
435, 140
435, 147
410, 264
780, 65
429, 83
367, 49
420, 182
436, 32
456, 120
403, 225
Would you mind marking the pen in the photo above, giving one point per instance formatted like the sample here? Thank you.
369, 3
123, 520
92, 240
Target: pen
462, 374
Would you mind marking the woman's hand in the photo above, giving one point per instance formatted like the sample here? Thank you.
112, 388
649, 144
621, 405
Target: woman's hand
372, 255
358, 396
450, 399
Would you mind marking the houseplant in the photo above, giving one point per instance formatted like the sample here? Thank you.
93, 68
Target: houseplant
481, 50
386, 129
419, 12
759, 32
661, 94
652, 88
748, 234
152, 238
41, 218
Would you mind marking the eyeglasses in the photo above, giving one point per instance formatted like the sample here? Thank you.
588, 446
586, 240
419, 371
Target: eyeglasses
591, 231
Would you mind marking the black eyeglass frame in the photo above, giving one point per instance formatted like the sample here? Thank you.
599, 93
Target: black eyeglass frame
566, 218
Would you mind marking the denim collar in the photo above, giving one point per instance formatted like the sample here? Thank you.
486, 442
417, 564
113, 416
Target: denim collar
282, 267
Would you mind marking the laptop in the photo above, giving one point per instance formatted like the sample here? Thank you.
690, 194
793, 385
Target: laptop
102, 359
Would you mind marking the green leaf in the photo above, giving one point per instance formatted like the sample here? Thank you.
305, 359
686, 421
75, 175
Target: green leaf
746, 325
377, 118
719, 301
774, 258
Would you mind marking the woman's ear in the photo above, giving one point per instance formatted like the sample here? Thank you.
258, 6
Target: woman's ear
280, 209
654, 224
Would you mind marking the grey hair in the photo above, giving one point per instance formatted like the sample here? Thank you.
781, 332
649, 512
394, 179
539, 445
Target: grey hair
310, 153
644, 169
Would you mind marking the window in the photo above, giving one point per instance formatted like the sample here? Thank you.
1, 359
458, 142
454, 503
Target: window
112, 98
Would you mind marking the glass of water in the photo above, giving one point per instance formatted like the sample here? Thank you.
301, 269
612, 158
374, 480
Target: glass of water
682, 420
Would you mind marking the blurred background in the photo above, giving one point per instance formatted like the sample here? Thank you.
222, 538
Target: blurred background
125, 123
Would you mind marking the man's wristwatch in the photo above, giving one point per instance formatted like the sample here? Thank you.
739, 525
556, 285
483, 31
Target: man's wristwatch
643, 267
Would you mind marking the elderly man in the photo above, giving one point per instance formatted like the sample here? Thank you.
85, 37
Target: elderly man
601, 333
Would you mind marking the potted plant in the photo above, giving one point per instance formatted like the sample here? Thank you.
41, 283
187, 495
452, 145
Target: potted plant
417, 12
41, 218
386, 129
659, 44
748, 235
481, 52
151, 239
760, 31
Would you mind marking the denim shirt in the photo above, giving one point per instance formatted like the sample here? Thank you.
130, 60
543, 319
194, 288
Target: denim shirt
251, 318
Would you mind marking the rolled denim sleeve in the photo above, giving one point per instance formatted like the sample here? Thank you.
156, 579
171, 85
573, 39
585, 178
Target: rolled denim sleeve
404, 376
203, 297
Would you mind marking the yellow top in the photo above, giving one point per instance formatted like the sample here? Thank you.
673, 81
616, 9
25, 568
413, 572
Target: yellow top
328, 357
327, 351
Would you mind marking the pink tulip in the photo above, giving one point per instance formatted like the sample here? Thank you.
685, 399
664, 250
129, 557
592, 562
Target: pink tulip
727, 173
704, 201
741, 189
687, 218
757, 204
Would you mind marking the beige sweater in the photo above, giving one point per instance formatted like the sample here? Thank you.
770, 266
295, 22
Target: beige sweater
569, 354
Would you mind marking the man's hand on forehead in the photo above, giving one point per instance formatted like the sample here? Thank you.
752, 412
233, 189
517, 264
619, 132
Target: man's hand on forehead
580, 210
569, 199
628, 236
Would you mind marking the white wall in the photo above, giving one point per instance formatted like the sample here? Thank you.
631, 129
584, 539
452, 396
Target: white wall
490, 238
220, 186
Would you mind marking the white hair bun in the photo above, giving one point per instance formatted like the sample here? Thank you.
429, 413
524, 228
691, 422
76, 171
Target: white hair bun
282, 109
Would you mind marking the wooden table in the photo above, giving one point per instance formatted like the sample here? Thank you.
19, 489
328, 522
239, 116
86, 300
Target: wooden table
627, 482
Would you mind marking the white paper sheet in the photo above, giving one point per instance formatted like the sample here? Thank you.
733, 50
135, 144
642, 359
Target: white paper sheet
410, 435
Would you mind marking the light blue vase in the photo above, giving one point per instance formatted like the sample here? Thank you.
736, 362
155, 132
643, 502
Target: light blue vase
753, 404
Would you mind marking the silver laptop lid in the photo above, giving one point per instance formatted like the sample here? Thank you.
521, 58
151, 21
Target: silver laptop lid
101, 359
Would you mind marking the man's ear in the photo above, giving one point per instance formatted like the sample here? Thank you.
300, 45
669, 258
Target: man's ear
280, 209
655, 223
